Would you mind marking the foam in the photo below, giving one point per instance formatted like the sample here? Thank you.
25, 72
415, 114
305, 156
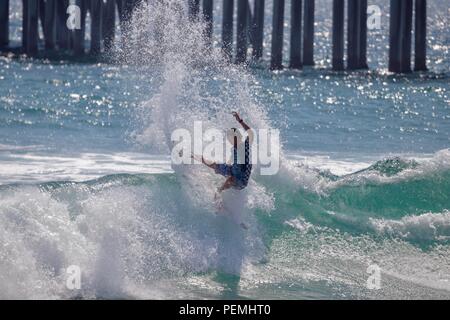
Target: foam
428, 226
32, 167
438, 162
122, 238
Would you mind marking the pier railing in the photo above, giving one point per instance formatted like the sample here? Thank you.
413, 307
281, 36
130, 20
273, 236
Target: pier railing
55, 17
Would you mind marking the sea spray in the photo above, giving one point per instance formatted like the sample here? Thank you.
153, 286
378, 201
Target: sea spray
311, 234
188, 64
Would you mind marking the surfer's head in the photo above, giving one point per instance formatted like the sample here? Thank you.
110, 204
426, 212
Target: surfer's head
234, 135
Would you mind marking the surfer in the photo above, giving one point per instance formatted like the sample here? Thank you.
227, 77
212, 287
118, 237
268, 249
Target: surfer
237, 173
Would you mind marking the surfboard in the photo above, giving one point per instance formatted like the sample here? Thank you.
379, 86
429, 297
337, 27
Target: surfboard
232, 204
199, 183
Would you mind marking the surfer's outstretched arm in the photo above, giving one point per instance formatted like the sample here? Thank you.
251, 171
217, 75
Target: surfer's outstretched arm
239, 119
212, 165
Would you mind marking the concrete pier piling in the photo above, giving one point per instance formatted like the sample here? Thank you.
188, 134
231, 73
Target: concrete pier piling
4, 24
400, 36
308, 33
295, 57
227, 28
352, 34
96, 26
55, 15
405, 38
24, 25
420, 30
41, 8
338, 35
258, 29
49, 23
208, 16
362, 51
109, 23
25, 22
193, 9
62, 32
123, 18
276, 59
394, 36
241, 31
78, 33
357, 34
125, 9
30, 27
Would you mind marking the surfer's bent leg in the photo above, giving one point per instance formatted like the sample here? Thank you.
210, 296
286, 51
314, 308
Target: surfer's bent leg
230, 182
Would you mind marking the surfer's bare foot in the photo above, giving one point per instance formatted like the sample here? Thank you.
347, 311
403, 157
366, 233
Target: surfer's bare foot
220, 208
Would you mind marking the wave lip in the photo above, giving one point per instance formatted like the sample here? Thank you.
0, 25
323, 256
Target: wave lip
425, 227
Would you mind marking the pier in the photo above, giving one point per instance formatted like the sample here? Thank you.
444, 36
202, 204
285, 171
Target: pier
407, 21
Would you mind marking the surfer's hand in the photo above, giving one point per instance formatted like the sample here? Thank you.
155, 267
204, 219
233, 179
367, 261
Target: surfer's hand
236, 115
239, 119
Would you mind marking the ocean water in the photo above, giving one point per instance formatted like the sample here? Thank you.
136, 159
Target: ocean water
86, 178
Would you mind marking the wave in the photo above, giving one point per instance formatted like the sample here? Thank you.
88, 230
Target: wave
161, 236
117, 229
128, 231
393, 189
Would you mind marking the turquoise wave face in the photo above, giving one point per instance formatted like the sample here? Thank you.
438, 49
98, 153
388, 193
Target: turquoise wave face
390, 192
